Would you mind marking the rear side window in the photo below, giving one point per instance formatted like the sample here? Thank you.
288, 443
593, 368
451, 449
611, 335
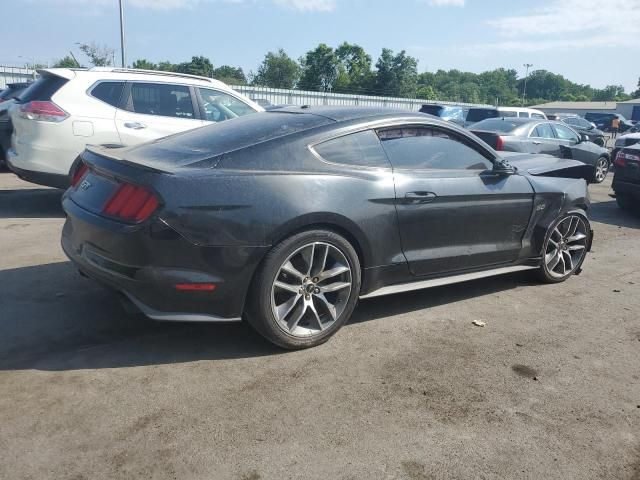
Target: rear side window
478, 114
543, 130
503, 113
523, 115
43, 89
161, 99
360, 149
108, 92
426, 148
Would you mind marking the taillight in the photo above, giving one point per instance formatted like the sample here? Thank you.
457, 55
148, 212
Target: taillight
499, 143
621, 159
43, 111
80, 172
131, 203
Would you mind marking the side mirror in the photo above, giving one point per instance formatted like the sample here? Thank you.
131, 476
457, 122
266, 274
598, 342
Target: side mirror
584, 138
502, 168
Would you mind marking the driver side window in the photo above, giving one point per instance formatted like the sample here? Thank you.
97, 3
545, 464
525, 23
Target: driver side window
418, 148
220, 106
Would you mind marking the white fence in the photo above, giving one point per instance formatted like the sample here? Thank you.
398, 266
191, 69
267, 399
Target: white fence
279, 96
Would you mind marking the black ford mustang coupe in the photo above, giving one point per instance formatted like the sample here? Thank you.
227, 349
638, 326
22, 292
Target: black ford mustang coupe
287, 218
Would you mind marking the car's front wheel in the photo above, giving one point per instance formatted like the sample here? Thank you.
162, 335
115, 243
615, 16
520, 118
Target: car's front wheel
305, 289
625, 202
601, 170
565, 248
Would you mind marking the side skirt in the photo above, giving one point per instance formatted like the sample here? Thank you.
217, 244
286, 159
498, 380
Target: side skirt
437, 282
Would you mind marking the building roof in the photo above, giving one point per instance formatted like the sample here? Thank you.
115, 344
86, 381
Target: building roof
578, 105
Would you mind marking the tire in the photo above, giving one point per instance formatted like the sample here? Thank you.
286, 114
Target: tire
290, 303
600, 170
569, 237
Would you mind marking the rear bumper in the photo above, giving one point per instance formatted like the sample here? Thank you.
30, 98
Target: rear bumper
145, 263
626, 187
41, 178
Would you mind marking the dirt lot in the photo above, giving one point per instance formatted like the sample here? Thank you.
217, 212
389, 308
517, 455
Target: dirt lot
410, 389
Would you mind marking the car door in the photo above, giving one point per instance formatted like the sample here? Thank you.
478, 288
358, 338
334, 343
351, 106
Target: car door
155, 110
454, 212
544, 140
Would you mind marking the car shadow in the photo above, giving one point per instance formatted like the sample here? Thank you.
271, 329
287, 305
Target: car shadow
31, 203
610, 213
55, 320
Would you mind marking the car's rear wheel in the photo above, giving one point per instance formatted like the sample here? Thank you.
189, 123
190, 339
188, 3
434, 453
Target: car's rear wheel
305, 289
565, 248
601, 170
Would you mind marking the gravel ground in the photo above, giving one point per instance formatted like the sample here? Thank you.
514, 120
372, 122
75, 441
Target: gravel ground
410, 389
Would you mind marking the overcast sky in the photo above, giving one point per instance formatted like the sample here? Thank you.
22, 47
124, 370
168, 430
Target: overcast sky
588, 41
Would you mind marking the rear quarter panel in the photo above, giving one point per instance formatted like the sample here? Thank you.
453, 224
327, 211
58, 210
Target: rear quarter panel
250, 204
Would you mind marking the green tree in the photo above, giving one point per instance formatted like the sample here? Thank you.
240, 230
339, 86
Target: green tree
611, 93
199, 65
144, 64
167, 66
397, 75
231, 75
320, 69
277, 70
355, 73
99, 55
66, 62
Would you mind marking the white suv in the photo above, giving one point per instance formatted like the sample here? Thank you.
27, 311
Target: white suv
66, 109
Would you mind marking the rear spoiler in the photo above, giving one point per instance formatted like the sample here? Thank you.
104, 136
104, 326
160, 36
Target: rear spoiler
110, 161
67, 73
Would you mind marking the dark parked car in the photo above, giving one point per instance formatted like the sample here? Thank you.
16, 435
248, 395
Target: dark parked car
552, 138
626, 178
7, 98
626, 140
287, 218
584, 127
13, 90
603, 121
451, 113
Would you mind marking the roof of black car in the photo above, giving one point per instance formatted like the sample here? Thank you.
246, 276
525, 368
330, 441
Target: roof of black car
343, 114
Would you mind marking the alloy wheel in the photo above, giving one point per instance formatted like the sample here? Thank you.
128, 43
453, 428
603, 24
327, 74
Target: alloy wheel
602, 168
566, 246
311, 289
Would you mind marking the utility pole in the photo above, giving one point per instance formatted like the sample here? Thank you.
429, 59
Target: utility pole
122, 50
526, 77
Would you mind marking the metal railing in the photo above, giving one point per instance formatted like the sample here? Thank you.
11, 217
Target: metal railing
15, 75
279, 96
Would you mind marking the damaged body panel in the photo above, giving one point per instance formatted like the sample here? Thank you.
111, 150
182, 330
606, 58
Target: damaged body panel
421, 201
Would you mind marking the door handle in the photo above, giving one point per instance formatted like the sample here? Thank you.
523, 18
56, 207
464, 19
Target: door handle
135, 125
535, 142
419, 197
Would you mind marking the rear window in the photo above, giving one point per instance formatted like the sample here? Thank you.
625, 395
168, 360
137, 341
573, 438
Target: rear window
478, 114
43, 89
432, 109
497, 125
108, 92
360, 149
